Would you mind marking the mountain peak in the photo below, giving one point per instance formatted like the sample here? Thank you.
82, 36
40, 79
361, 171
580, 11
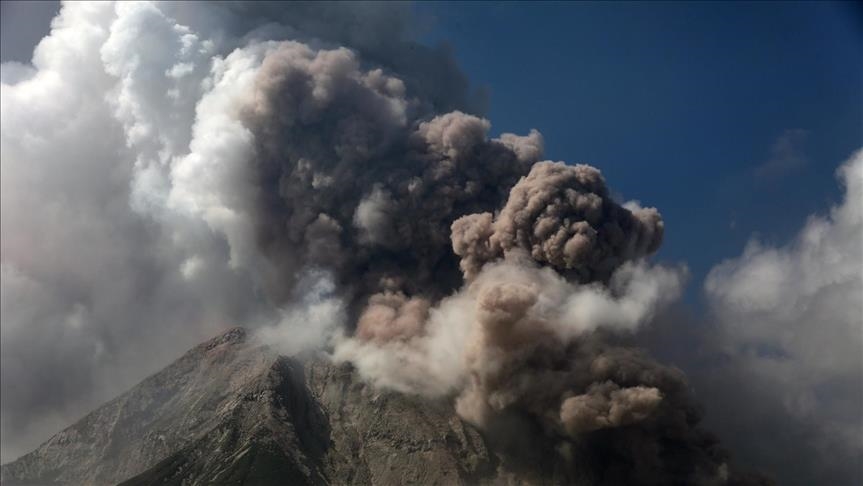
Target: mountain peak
234, 335
232, 411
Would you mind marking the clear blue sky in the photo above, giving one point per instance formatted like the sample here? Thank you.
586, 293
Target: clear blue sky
679, 104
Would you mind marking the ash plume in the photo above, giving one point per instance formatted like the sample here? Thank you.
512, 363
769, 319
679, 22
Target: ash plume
562, 215
533, 338
297, 169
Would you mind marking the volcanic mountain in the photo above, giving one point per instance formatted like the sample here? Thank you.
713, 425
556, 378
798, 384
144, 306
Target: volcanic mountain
232, 411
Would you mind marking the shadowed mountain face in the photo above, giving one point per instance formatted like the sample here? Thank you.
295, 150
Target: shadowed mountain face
231, 411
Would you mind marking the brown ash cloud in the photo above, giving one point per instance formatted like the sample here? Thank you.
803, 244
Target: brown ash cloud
313, 171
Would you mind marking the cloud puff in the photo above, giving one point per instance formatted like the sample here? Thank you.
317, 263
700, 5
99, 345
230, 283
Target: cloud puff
791, 321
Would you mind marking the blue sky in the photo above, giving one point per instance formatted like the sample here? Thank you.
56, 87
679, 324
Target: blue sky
731, 118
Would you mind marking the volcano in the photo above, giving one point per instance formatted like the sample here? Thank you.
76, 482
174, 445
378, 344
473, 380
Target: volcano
231, 411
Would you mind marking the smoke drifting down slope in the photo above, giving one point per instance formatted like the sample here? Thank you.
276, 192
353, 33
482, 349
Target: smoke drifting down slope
340, 199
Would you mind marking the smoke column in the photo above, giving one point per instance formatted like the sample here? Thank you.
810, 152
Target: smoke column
312, 171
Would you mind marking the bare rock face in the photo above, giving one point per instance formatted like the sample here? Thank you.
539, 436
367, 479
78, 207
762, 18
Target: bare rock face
233, 412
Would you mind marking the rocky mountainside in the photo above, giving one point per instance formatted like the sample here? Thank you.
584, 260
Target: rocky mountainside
233, 412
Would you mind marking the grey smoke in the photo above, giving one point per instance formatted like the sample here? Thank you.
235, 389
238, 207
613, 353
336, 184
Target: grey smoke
563, 216
534, 336
607, 405
107, 274
304, 180
371, 181
312, 171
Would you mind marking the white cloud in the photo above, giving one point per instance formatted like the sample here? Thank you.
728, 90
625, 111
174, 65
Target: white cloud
96, 293
792, 317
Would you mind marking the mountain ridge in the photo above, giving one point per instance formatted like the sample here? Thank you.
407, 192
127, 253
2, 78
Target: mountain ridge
233, 411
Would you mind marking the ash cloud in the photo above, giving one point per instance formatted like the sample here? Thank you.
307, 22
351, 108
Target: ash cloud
128, 206
530, 343
370, 181
606, 405
312, 171
563, 216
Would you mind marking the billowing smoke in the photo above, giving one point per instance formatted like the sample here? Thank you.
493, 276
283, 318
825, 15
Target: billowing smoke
136, 203
563, 216
312, 171
531, 346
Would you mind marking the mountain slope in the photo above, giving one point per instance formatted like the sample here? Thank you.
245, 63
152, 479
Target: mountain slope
231, 411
